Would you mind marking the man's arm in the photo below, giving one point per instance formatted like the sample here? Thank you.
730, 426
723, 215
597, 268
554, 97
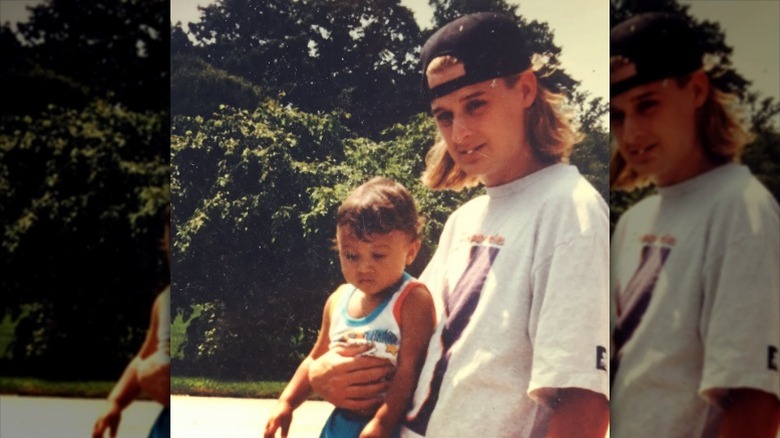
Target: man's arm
749, 412
578, 413
349, 381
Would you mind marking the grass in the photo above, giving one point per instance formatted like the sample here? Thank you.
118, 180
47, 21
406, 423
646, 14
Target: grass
40, 387
194, 386
198, 386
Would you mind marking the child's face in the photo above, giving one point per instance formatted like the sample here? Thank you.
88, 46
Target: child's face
482, 125
654, 126
374, 265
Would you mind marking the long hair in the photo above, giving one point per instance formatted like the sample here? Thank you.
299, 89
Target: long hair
549, 129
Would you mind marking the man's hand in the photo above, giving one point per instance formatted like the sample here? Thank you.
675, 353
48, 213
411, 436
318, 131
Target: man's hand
350, 381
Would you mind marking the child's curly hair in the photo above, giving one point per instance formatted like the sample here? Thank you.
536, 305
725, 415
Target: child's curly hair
380, 206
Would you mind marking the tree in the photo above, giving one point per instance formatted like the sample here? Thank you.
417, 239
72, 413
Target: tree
255, 197
321, 55
120, 49
709, 35
80, 194
197, 88
591, 155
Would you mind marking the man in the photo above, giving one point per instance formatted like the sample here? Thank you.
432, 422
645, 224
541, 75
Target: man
520, 274
695, 281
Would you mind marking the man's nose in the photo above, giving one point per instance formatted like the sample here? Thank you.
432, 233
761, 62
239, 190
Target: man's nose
631, 130
461, 131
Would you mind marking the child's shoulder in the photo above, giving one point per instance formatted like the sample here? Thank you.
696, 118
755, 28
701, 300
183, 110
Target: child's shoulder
414, 299
335, 297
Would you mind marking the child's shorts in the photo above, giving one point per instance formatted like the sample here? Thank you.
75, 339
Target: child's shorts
345, 424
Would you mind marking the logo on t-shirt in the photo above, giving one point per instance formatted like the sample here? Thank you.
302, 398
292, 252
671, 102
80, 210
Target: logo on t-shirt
601, 358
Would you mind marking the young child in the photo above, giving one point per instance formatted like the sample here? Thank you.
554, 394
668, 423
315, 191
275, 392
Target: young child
696, 286
378, 234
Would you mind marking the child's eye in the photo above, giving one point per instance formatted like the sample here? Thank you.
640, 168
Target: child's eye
350, 256
379, 256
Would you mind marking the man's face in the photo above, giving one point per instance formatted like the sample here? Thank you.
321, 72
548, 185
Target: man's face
482, 126
654, 126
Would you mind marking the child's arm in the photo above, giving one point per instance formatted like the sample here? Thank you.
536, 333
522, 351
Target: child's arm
299, 389
417, 323
127, 388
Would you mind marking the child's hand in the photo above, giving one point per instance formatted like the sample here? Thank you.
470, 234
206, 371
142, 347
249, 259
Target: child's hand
375, 429
281, 418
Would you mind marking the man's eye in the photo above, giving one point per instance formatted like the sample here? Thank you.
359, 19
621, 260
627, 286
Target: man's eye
646, 105
474, 105
444, 119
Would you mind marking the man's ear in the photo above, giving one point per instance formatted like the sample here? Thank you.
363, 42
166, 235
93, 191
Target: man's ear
700, 84
527, 84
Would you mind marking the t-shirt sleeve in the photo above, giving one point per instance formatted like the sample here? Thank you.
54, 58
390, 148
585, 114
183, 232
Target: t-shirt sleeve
569, 325
740, 321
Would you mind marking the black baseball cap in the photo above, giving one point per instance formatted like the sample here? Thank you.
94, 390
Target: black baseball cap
649, 47
490, 45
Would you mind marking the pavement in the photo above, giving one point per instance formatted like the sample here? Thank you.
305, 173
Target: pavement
44, 417
206, 417
191, 417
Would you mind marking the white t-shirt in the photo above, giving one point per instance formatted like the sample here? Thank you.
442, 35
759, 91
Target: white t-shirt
696, 296
520, 285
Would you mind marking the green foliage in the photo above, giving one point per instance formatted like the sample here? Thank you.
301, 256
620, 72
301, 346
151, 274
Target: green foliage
319, 54
199, 88
255, 195
591, 155
80, 192
240, 182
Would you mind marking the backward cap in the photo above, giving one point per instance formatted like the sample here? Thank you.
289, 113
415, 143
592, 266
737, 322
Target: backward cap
650, 47
490, 45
